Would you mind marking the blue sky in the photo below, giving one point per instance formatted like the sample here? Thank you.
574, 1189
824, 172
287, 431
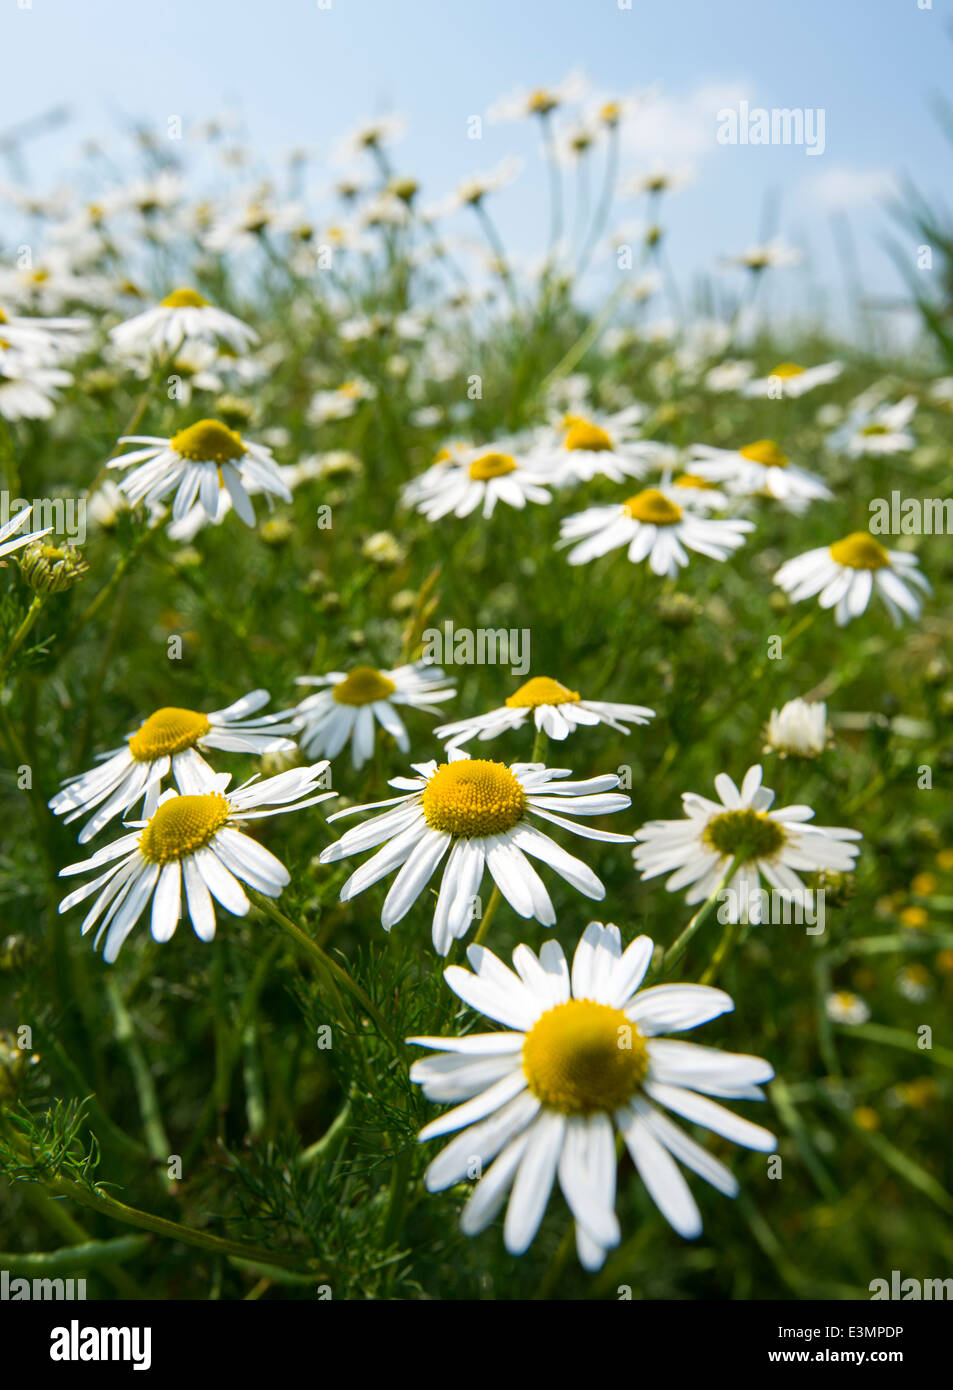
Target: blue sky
300, 74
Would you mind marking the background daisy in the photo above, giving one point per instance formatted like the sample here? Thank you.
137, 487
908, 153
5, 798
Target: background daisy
353, 702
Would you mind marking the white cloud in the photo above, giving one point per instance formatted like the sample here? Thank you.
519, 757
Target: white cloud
842, 186
668, 127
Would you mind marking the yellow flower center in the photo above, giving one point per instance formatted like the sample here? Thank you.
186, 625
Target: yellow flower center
745, 835
652, 507
3, 317
581, 1057
492, 466
182, 825
610, 113
785, 370
363, 686
875, 429
473, 797
184, 299
168, 731
541, 690
542, 102
583, 434
765, 452
859, 552
694, 480
208, 441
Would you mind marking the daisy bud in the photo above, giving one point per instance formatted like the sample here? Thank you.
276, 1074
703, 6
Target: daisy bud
798, 730
51, 569
384, 549
233, 411
838, 888
677, 610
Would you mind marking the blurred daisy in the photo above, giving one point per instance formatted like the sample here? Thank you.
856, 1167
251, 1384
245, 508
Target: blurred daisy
193, 841
10, 541
340, 403
169, 741
480, 812
876, 432
789, 379
770, 255
758, 469
475, 187
660, 179
656, 524
538, 101
200, 462
554, 709
729, 376
350, 704
846, 573
29, 391
481, 475
369, 136
584, 1059
45, 341
182, 316
742, 830
798, 729
844, 1007
586, 446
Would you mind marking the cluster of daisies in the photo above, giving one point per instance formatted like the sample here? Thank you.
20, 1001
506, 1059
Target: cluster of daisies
582, 1053
684, 499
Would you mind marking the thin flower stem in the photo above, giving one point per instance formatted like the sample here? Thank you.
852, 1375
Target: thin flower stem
22, 632
540, 745
333, 973
157, 1141
488, 916
729, 939
499, 252
555, 1270
677, 949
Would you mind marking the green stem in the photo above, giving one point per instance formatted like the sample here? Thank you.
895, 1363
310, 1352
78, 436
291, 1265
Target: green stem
22, 632
488, 916
677, 949
157, 1140
333, 973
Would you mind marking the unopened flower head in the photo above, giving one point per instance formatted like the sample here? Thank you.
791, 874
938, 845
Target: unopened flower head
798, 729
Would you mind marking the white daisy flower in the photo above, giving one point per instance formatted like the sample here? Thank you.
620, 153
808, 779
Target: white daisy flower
554, 709
480, 812
876, 432
798, 729
341, 403
844, 1007
742, 829
660, 179
699, 494
46, 341
846, 573
478, 476
769, 255
656, 524
729, 376
182, 316
193, 840
540, 101
586, 446
347, 708
790, 379
169, 741
584, 1059
28, 391
9, 529
475, 187
760, 468
200, 462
